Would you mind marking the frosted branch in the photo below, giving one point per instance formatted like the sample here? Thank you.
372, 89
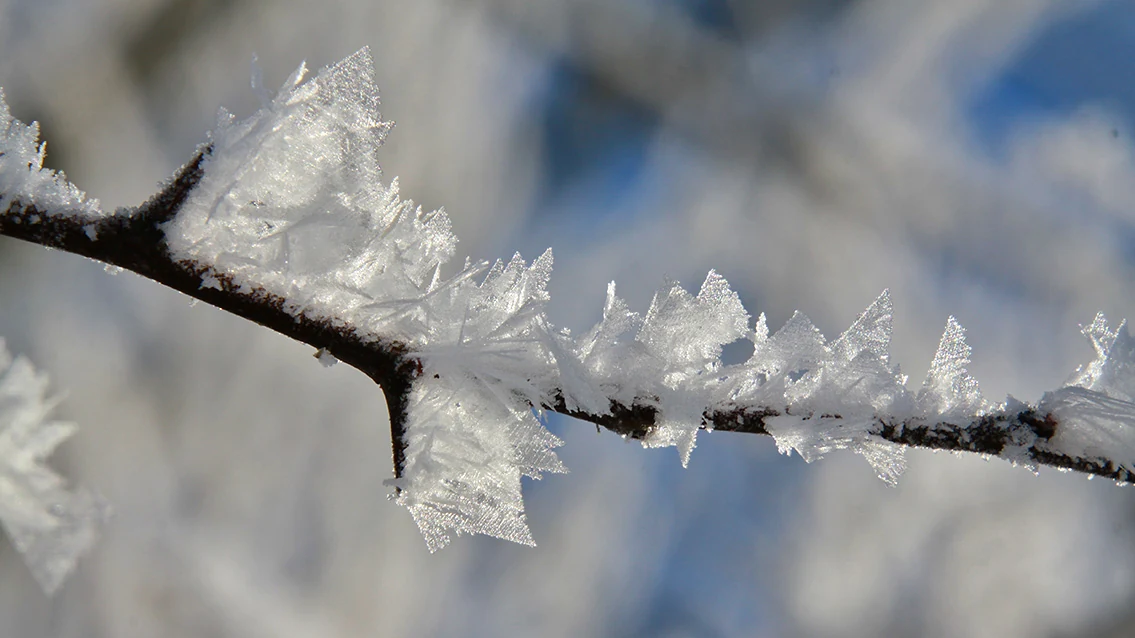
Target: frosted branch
285, 219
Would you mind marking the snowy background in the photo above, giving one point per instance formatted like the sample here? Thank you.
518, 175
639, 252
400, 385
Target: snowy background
977, 157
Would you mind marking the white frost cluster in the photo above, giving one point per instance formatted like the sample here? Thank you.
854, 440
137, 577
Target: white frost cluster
827, 395
50, 525
470, 432
293, 202
668, 359
830, 392
23, 178
1096, 409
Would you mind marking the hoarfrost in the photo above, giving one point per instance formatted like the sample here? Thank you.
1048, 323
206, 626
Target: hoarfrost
1096, 409
949, 390
470, 432
607, 352
292, 202
832, 393
1092, 425
680, 344
1112, 372
870, 333
466, 452
23, 177
794, 354
815, 436
49, 525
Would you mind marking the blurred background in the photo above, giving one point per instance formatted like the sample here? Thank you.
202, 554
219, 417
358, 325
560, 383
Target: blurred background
974, 156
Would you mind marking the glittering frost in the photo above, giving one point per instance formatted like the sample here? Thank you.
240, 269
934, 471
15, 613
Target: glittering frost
682, 337
870, 333
832, 393
793, 352
23, 178
1112, 372
1096, 410
1093, 425
949, 390
466, 453
293, 202
470, 433
689, 332
602, 355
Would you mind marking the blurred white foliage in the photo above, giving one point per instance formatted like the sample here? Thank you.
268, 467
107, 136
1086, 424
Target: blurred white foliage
1017, 577
50, 525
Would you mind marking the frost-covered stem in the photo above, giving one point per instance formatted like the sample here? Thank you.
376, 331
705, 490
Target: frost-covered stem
991, 434
134, 239
285, 219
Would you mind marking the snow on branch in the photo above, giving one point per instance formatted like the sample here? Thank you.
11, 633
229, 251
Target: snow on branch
284, 218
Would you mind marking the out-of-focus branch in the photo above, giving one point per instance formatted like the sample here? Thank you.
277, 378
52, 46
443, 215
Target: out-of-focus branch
701, 80
655, 56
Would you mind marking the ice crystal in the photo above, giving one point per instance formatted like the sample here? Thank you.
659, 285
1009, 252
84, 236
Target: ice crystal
682, 337
471, 433
1112, 372
870, 333
949, 389
667, 359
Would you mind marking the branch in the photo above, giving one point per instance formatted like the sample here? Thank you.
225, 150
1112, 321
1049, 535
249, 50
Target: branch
988, 435
134, 239
284, 219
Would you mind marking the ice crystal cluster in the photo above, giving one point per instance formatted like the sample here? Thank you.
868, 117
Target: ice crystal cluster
23, 178
292, 202
1096, 408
